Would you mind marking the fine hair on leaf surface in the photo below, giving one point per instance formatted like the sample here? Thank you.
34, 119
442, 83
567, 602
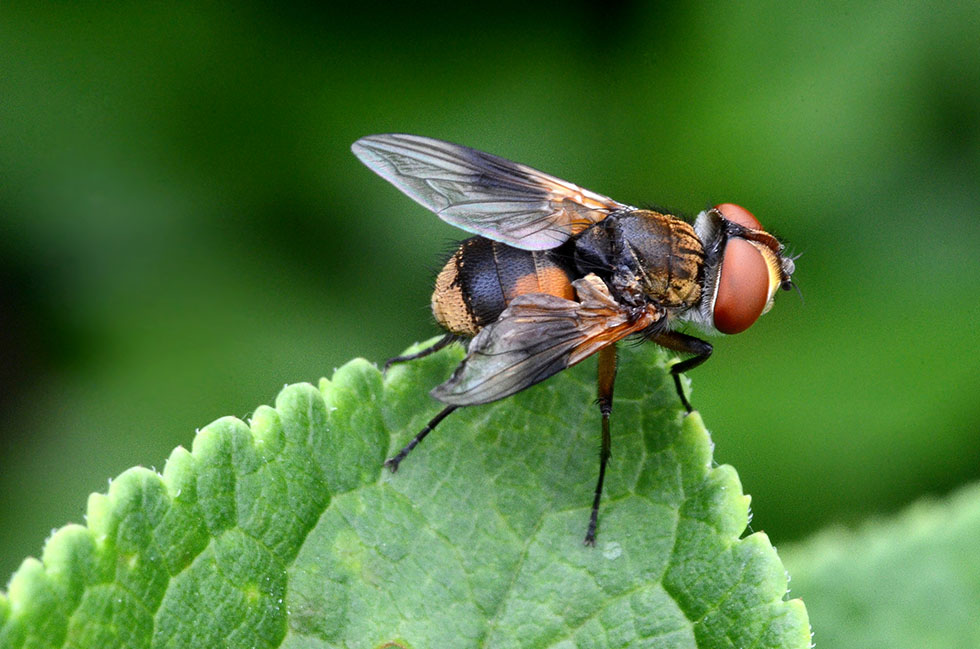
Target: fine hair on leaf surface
286, 531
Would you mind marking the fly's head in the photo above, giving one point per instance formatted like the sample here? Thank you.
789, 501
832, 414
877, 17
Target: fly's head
744, 267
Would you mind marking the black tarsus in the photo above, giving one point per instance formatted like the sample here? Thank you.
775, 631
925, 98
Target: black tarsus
607, 380
392, 463
448, 339
604, 454
681, 342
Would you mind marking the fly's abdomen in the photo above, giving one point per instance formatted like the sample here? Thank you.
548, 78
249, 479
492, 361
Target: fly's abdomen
483, 276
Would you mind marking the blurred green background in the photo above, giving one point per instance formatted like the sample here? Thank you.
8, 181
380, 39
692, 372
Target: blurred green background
183, 229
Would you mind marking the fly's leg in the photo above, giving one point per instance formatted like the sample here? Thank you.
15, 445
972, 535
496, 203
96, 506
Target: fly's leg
607, 379
681, 342
393, 462
448, 339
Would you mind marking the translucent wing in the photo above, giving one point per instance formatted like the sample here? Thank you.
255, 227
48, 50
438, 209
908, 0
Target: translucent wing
483, 194
538, 336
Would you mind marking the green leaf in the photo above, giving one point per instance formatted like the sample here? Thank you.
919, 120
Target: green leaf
912, 581
287, 532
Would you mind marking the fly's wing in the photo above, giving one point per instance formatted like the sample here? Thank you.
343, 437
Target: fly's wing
483, 194
537, 336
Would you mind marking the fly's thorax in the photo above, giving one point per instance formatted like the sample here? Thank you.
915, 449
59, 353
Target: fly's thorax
665, 255
481, 278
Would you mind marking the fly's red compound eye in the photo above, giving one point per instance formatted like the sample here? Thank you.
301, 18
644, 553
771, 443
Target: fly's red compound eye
738, 214
743, 286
